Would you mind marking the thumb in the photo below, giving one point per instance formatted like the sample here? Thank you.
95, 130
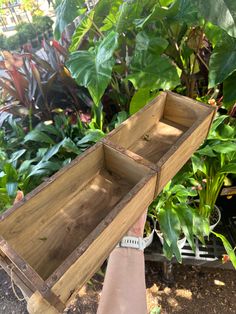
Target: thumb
19, 196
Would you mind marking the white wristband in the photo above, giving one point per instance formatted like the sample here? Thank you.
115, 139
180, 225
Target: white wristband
135, 242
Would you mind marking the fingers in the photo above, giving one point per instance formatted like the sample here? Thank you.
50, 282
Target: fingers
19, 196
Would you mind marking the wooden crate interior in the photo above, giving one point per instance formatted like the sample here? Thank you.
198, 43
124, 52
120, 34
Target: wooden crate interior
154, 130
46, 229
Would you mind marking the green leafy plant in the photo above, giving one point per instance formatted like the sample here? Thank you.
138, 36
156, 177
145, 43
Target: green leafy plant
27, 158
38, 87
211, 164
176, 44
175, 217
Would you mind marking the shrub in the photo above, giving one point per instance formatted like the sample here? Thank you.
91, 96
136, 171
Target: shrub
3, 42
13, 42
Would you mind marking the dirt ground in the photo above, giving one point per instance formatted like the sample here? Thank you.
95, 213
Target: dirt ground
196, 290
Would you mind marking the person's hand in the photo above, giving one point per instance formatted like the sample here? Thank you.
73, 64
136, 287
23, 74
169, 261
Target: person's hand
19, 197
138, 228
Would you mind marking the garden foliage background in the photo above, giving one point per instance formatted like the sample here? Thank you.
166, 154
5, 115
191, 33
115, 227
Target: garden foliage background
105, 63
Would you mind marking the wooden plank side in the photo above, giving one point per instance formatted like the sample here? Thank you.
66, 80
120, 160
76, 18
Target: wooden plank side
44, 203
137, 158
124, 165
174, 160
184, 110
55, 189
38, 305
26, 288
134, 127
29, 274
113, 227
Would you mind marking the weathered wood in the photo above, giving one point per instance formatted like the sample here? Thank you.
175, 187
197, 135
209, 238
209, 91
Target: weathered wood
168, 141
27, 272
140, 123
38, 305
26, 288
179, 153
62, 231
123, 215
45, 240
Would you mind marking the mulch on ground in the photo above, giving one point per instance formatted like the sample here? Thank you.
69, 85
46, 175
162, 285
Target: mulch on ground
196, 290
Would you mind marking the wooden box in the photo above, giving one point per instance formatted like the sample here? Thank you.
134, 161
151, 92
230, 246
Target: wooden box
164, 134
53, 241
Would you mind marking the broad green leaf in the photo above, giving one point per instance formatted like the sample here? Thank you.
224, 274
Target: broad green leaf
229, 89
214, 33
225, 148
146, 41
16, 155
230, 168
167, 250
153, 72
111, 19
128, 12
169, 224
91, 136
93, 68
102, 10
165, 3
66, 12
44, 168
70, 146
38, 136
227, 132
201, 227
219, 12
185, 215
25, 166
53, 151
81, 30
230, 251
222, 61
140, 99
121, 117
11, 173
184, 11
198, 164
218, 121
206, 151
12, 188
49, 129
157, 13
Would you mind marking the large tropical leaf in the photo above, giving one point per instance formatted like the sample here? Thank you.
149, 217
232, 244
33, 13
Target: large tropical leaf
37, 136
229, 89
185, 215
219, 12
66, 12
153, 71
129, 11
230, 251
140, 99
222, 61
225, 148
230, 168
148, 41
169, 224
111, 19
81, 30
93, 68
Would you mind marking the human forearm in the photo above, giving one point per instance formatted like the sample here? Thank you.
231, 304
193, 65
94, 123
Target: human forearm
124, 290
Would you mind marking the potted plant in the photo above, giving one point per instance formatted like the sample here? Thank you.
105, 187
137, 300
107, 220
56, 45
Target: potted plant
213, 162
210, 166
175, 216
